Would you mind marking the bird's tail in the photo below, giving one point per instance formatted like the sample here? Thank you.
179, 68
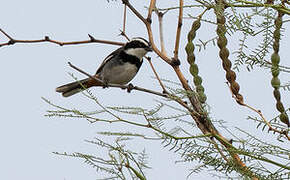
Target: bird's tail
75, 87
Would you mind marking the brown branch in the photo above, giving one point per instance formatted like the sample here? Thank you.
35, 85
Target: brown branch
261, 115
47, 39
123, 32
128, 87
131, 87
156, 75
147, 23
198, 115
160, 20
126, 2
150, 10
124, 18
178, 31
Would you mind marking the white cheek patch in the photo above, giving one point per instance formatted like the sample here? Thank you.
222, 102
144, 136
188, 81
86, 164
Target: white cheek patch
138, 52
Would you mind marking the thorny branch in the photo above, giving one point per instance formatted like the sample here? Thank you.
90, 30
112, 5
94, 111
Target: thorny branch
12, 41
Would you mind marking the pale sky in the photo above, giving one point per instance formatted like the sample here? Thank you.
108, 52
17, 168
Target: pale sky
32, 71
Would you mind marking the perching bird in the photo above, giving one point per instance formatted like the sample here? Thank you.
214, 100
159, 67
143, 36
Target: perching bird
120, 67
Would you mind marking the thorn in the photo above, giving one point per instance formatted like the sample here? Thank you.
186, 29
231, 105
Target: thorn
121, 33
46, 38
91, 37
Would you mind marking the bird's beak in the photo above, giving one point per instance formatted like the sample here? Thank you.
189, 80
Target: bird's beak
149, 49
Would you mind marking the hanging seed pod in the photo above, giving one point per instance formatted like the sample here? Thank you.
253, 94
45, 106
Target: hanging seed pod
224, 52
275, 59
197, 80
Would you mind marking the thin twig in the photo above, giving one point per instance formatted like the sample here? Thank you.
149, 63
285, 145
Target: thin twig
123, 32
150, 10
262, 116
124, 18
156, 75
178, 31
128, 87
149, 30
47, 39
126, 2
160, 20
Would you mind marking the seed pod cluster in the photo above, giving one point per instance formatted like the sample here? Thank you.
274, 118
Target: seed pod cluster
197, 80
275, 59
224, 52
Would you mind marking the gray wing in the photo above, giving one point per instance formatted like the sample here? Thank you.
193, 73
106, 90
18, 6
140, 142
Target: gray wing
110, 56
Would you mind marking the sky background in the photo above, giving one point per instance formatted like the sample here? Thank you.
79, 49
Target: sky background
32, 71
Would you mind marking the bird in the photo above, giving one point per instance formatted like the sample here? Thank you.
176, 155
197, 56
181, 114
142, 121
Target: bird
119, 67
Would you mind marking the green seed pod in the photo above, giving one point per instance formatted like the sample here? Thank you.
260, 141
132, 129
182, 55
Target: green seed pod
193, 69
280, 106
191, 36
278, 22
221, 19
275, 82
196, 24
190, 58
275, 71
222, 42
199, 88
275, 58
277, 34
284, 118
197, 80
189, 48
276, 46
277, 94
202, 97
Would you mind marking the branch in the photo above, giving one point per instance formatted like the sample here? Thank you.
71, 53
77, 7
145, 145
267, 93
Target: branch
131, 87
147, 23
278, 7
284, 132
178, 31
47, 39
128, 87
160, 20
197, 114
156, 75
